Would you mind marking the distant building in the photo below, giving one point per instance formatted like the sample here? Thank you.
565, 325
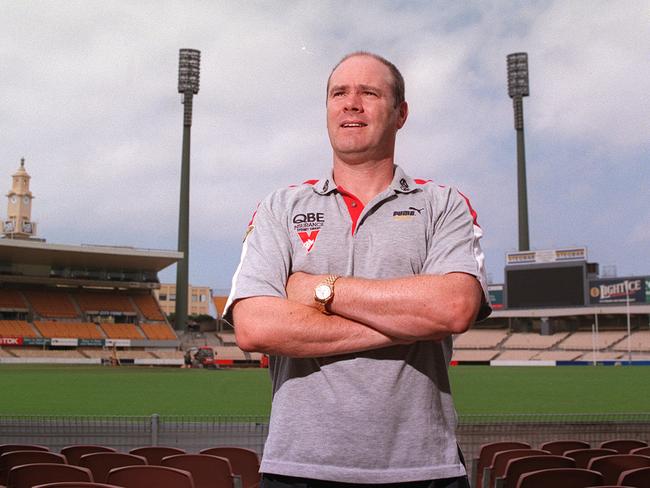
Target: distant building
198, 303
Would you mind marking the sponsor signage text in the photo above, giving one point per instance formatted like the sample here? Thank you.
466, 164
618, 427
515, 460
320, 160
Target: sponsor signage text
618, 290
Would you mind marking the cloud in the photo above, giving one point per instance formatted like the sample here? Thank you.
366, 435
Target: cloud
90, 93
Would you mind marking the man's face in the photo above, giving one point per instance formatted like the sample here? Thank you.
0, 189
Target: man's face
362, 119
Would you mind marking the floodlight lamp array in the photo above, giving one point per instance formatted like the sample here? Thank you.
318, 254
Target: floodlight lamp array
518, 75
189, 62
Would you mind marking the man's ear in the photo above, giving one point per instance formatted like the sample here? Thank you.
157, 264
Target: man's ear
403, 114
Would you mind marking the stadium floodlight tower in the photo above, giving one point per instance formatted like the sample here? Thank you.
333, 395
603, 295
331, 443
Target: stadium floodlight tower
188, 86
517, 89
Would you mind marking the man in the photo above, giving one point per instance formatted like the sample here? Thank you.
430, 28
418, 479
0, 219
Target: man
354, 284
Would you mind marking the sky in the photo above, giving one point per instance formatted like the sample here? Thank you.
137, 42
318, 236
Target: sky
89, 99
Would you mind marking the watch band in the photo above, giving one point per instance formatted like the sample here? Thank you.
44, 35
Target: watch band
320, 303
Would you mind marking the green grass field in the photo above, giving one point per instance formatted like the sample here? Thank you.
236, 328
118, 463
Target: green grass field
97, 390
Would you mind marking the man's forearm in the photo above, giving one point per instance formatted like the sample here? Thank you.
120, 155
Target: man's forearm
281, 327
411, 308
423, 307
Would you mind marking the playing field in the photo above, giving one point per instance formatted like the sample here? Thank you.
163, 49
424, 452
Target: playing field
100, 390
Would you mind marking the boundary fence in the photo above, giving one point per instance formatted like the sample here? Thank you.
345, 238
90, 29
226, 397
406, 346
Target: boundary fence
196, 432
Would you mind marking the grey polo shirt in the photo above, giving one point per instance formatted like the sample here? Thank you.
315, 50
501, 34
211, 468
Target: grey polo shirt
379, 416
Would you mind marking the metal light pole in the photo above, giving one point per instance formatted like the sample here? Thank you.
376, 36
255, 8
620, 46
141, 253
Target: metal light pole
517, 89
188, 86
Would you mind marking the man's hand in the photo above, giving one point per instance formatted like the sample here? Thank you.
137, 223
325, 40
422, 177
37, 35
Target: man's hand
300, 288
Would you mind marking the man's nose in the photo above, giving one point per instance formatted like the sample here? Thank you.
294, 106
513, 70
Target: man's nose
353, 103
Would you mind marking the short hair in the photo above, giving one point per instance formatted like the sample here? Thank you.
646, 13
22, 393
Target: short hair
398, 79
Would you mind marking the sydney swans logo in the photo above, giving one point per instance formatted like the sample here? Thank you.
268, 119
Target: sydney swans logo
307, 226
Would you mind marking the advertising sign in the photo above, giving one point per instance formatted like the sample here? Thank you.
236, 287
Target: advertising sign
11, 341
118, 342
647, 290
58, 342
546, 256
618, 290
91, 342
496, 296
36, 341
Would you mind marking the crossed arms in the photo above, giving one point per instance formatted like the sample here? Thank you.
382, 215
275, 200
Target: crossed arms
366, 314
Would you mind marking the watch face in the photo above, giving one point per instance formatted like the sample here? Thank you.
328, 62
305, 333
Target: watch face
323, 292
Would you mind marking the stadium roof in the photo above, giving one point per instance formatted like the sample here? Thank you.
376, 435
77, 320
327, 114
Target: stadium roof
634, 309
85, 256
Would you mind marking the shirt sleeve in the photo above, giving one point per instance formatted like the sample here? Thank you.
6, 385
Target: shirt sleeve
454, 245
265, 260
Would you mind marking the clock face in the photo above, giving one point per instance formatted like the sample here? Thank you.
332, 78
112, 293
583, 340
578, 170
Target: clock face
8, 226
27, 227
26, 200
13, 199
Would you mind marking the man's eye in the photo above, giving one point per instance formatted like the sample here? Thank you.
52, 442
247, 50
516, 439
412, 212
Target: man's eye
337, 94
371, 93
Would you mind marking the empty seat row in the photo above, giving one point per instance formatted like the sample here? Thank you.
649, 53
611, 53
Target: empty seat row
24, 466
504, 464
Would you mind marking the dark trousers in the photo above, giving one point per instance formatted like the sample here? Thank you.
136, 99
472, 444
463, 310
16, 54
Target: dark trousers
278, 481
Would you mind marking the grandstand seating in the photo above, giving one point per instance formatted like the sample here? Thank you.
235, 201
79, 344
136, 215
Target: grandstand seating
121, 331
28, 352
158, 332
584, 341
16, 328
12, 299
517, 355
639, 341
480, 339
143, 476
5, 354
95, 353
474, 355
51, 304
601, 356
133, 354
533, 341
78, 330
74, 452
154, 454
557, 355
167, 354
227, 338
103, 302
149, 307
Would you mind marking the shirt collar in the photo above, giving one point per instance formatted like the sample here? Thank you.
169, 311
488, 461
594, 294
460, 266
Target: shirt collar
402, 183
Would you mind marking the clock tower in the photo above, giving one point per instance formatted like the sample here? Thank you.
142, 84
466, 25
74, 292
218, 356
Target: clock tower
18, 224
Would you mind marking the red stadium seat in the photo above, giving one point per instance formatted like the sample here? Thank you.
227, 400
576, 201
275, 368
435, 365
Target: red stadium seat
154, 454
623, 446
101, 463
517, 467
638, 478
21, 447
560, 447
29, 475
642, 451
584, 456
613, 465
11, 459
73, 453
207, 471
560, 477
76, 484
486, 454
500, 460
154, 476
244, 462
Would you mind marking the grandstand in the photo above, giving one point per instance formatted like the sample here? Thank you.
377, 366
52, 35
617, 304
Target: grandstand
81, 302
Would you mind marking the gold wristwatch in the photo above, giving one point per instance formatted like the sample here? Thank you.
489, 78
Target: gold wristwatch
324, 293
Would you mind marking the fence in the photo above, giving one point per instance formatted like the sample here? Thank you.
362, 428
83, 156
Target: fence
196, 433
